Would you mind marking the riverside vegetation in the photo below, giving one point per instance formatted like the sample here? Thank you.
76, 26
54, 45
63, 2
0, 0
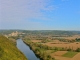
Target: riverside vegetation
52, 45
49, 45
40, 50
44, 51
9, 51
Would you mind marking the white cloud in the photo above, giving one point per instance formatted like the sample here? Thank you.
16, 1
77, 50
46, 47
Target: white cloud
21, 9
19, 13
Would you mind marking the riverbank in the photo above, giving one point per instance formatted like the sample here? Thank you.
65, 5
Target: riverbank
45, 52
39, 50
33, 50
25, 49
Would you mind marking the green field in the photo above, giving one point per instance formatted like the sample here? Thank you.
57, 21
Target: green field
70, 54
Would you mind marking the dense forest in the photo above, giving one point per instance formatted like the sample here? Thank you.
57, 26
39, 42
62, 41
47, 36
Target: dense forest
9, 51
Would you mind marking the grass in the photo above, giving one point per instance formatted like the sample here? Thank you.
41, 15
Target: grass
70, 54
9, 51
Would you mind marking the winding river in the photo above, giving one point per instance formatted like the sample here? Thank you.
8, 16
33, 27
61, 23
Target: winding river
26, 50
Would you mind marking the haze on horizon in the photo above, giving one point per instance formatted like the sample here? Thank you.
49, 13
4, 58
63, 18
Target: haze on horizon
40, 14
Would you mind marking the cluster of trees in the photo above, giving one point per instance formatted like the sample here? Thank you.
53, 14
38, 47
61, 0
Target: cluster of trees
40, 50
78, 39
67, 49
78, 50
66, 40
70, 41
45, 41
43, 54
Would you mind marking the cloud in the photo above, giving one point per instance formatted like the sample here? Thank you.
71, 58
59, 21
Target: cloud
24, 9
22, 13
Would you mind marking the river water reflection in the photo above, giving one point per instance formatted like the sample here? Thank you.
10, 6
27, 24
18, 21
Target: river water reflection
26, 50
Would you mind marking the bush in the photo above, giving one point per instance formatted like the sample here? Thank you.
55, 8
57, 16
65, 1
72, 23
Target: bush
78, 50
1, 51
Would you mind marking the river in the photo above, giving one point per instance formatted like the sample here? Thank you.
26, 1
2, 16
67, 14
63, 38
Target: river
26, 50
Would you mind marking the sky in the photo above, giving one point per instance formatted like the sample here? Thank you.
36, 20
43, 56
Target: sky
40, 14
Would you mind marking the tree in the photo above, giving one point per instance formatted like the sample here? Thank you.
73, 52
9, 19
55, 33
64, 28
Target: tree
56, 49
78, 50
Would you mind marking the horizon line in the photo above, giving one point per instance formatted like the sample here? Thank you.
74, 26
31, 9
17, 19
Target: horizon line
41, 29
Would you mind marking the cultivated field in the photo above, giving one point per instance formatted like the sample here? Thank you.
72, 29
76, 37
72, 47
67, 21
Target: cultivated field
59, 56
67, 41
57, 43
62, 55
73, 46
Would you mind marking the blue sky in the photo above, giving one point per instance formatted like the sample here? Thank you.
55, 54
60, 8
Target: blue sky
40, 14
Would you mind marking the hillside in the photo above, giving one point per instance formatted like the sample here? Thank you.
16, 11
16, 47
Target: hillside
8, 50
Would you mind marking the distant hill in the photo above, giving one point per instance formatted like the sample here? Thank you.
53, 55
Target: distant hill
51, 32
8, 50
43, 32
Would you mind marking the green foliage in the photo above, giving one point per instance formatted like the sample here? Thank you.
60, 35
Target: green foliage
78, 50
14, 37
56, 48
1, 52
69, 49
8, 50
77, 39
40, 50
